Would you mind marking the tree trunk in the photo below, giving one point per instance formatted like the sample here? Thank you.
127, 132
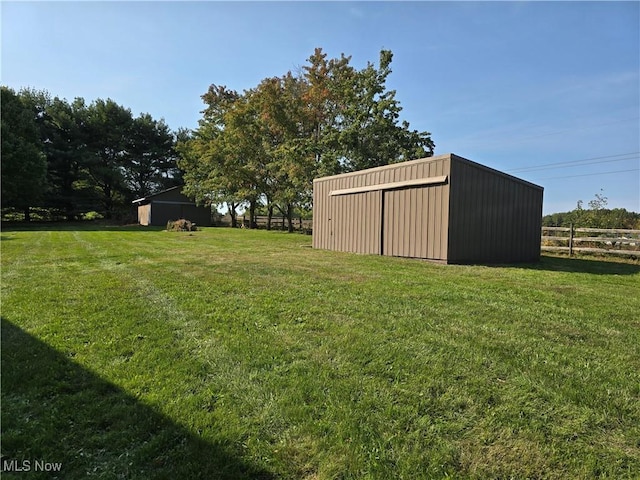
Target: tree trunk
233, 214
27, 214
69, 212
269, 216
289, 218
108, 202
252, 214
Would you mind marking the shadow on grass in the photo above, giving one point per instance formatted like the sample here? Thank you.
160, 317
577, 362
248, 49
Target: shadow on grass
76, 226
592, 265
54, 411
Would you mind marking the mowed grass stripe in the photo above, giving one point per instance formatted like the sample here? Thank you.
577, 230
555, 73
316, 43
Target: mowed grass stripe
328, 365
99, 314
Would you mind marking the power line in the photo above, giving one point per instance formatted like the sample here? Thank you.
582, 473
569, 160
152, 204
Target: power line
558, 132
591, 174
576, 163
583, 163
482, 141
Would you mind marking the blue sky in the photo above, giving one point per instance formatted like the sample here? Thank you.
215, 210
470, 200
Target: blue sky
517, 86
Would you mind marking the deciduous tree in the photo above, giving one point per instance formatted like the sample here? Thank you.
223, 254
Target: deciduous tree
371, 134
205, 156
269, 143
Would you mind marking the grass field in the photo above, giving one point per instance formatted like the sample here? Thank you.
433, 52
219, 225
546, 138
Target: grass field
137, 353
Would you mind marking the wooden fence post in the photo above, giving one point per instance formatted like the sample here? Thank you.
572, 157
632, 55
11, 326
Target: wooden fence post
571, 239
616, 241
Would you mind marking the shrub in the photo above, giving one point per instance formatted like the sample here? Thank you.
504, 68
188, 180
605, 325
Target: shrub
92, 216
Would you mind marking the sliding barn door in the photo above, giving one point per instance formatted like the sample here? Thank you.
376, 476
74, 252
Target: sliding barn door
355, 221
414, 223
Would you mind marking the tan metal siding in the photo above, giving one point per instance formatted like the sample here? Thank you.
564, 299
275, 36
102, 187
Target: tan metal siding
321, 215
480, 215
355, 223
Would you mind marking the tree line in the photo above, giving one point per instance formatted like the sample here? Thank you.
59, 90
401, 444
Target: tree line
262, 148
596, 215
256, 150
71, 158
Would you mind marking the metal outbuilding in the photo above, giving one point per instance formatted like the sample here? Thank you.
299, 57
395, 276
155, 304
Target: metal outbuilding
444, 208
171, 204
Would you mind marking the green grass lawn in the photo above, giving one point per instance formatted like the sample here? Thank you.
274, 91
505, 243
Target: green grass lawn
138, 353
